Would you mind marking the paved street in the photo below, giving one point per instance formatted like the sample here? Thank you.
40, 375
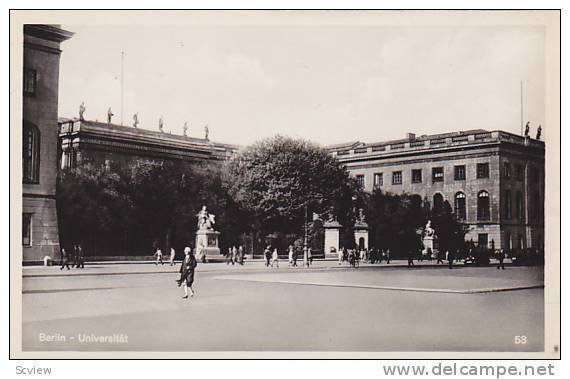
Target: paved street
254, 308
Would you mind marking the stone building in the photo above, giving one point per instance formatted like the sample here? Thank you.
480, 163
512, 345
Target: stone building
493, 180
112, 145
39, 140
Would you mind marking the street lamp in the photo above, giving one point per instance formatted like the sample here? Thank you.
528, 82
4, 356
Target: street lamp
306, 240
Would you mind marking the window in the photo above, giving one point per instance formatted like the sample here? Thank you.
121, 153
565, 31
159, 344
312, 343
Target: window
30, 81
360, 180
26, 229
378, 179
507, 170
30, 154
483, 240
483, 213
508, 243
397, 177
417, 176
460, 172
508, 205
437, 174
460, 206
519, 172
482, 170
519, 206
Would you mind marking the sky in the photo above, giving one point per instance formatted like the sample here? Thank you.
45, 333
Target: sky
329, 83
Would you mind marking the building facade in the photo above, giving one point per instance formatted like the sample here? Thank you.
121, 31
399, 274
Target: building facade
82, 141
40, 139
493, 180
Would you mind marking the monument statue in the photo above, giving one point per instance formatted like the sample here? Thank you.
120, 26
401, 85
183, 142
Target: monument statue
136, 119
81, 111
206, 131
527, 129
161, 124
185, 128
429, 231
538, 132
109, 115
205, 219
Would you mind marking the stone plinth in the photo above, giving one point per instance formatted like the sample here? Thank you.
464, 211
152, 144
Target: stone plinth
361, 234
207, 249
428, 243
332, 238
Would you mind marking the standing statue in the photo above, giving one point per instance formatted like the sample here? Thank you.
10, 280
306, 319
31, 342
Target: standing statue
538, 132
109, 115
136, 119
81, 111
185, 129
527, 129
161, 124
206, 131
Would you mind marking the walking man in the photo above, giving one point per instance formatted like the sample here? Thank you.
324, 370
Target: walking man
267, 254
64, 259
172, 256
240, 255
80, 257
187, 272
275, 259
158, 256
501, 258
439, 260
290, 255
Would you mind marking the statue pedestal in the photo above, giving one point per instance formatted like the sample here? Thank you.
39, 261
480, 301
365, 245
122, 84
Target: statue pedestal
207, 249
332, 238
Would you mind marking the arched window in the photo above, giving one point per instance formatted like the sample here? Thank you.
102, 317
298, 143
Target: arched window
520, 208
483, 212
460, 206
437, 201
30, 153
508, 205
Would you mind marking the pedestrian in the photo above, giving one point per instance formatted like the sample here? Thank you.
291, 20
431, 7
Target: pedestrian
388, 256
439, 257
80, 257
187, 272
75, 257
309, 257
234, 254
172, 256
295, 256
64, 259
267, 255
158, 256
450, 259
290, 255
240, 255
410, 258
275, 259
501, 258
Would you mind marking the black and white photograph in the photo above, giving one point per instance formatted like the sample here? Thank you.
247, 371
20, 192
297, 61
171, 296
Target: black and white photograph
341, 184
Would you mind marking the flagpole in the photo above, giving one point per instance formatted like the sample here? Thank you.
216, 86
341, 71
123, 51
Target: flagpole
122, 83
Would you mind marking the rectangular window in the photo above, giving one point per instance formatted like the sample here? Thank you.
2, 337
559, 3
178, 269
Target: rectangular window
437, 174
397, 177
482, 170
519, 173
378, 179
26, 229
360, 180
30, 81
507, 170
460, 172
417, 175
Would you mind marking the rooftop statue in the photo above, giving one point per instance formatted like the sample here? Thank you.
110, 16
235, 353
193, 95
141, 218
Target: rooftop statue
81, 110
109, 115
185, 128
206, 131
136, 119
161, 124
527, 129
538, 132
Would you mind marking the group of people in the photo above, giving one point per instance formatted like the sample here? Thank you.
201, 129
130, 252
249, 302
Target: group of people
272, 256
76, 257
159, 256
235, 255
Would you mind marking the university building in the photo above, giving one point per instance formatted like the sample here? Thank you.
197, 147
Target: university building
493, 180
39, 140
112, 145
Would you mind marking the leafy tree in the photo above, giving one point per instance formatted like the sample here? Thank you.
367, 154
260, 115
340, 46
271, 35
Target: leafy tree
280, 180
